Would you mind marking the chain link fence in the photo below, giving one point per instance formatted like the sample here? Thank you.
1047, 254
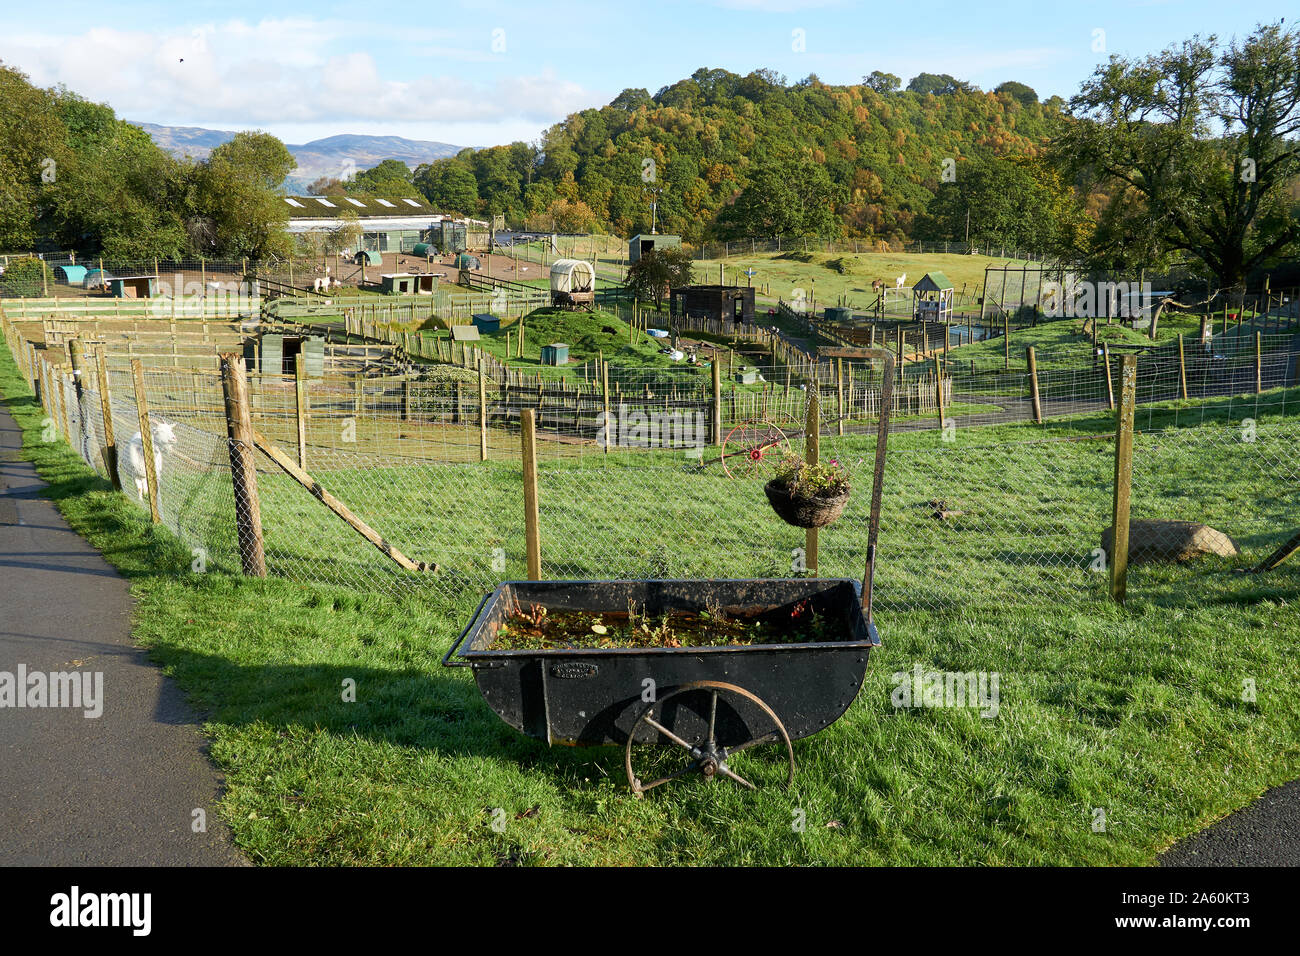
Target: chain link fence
637, 481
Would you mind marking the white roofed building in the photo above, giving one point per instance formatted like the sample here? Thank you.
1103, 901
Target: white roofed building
387, 225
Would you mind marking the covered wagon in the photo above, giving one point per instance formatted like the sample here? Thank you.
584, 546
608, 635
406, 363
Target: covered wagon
573, 283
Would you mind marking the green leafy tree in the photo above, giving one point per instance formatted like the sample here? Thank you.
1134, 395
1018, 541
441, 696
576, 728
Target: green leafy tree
1197, 149
1012, 202
449, 184
24, 277
239, 186
882, 82
658, 270
939, 84
785, 198
33, 147
391, 179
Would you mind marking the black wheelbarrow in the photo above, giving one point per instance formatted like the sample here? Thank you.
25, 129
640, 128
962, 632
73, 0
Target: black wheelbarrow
708, 704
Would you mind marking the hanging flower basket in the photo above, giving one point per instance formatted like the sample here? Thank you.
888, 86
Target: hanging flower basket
805, 511
808, 496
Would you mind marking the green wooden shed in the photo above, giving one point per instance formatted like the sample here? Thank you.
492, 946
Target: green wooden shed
557, 353
279, 354
638, 245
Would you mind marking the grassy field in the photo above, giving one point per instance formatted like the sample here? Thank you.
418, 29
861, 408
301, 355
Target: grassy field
1137, 710
830, 276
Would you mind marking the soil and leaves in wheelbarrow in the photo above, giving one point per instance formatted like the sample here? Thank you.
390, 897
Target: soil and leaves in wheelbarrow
535, 627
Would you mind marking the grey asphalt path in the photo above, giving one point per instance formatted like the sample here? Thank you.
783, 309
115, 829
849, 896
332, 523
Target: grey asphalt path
1266, 833
115, 790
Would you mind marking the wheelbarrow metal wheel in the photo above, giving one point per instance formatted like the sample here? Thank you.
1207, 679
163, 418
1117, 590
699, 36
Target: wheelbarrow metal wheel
707, 758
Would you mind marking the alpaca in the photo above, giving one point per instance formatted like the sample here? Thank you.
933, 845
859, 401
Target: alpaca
164, 441
898, 282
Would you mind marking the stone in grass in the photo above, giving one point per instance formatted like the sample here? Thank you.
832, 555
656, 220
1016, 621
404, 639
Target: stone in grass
1150, 541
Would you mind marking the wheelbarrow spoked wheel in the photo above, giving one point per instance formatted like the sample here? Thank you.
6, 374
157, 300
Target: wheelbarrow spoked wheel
711, 753
752, 448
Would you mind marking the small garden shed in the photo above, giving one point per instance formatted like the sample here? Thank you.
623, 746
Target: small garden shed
557, 353
637, 246
279, 354
932, 298
133, 287
732, 302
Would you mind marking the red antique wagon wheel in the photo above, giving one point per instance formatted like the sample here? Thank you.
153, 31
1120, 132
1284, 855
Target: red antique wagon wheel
709, 756
752, 447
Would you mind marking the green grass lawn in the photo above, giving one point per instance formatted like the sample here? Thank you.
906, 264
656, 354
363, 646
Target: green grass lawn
1136, 710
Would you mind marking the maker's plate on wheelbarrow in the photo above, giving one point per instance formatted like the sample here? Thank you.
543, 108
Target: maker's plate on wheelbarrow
713, 701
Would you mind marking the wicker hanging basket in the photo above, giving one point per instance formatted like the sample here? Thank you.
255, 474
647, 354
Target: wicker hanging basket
803, 512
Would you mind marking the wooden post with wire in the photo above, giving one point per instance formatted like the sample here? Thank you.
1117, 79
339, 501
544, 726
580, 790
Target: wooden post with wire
839, 390
532, 535
812, 452
604, 392
301, 405
243, 466
1110, 385
1034, 396
715, 406
146, 438
482, 410
1182, 367
106, 410
1123, 477
1259, 367
938, 389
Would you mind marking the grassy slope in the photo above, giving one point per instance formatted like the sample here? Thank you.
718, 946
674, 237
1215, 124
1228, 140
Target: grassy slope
831, 275
1134, 710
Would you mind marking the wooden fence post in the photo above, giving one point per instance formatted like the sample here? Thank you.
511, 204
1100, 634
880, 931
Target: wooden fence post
1006, 341
1182, 367
1259, 367
146, 438
715, 409
532, 535
938, 389
1123, 477
812, 452
1110, 385
1033, 385
604, 391
243, 467
301, 405
839, 390
61, 393
77, 359
106, 409
482, 411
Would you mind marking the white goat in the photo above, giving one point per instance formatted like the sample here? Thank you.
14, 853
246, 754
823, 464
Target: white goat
164, 441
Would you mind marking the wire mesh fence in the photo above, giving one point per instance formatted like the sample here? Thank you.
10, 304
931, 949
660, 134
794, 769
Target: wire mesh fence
653, 475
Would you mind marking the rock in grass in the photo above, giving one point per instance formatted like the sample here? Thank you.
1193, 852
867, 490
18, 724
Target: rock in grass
1152, 541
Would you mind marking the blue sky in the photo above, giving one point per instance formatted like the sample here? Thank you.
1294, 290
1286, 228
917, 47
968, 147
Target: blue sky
484, 72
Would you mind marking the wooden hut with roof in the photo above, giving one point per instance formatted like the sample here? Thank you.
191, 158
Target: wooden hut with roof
932, 298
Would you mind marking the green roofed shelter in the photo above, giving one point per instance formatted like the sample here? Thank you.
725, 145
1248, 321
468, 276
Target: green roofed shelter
932, 298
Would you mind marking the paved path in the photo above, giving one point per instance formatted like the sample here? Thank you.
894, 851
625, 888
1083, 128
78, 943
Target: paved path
115, 790
1266, 833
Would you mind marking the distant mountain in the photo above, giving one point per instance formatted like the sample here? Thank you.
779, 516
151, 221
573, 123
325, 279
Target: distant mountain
330, 156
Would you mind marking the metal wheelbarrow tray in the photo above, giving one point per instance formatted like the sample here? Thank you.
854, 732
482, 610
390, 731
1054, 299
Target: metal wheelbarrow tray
725, 696
714, 702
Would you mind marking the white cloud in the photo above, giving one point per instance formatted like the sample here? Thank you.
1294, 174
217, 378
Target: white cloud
293, 71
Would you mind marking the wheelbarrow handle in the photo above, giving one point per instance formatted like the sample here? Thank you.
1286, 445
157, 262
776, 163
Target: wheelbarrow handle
446, 660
